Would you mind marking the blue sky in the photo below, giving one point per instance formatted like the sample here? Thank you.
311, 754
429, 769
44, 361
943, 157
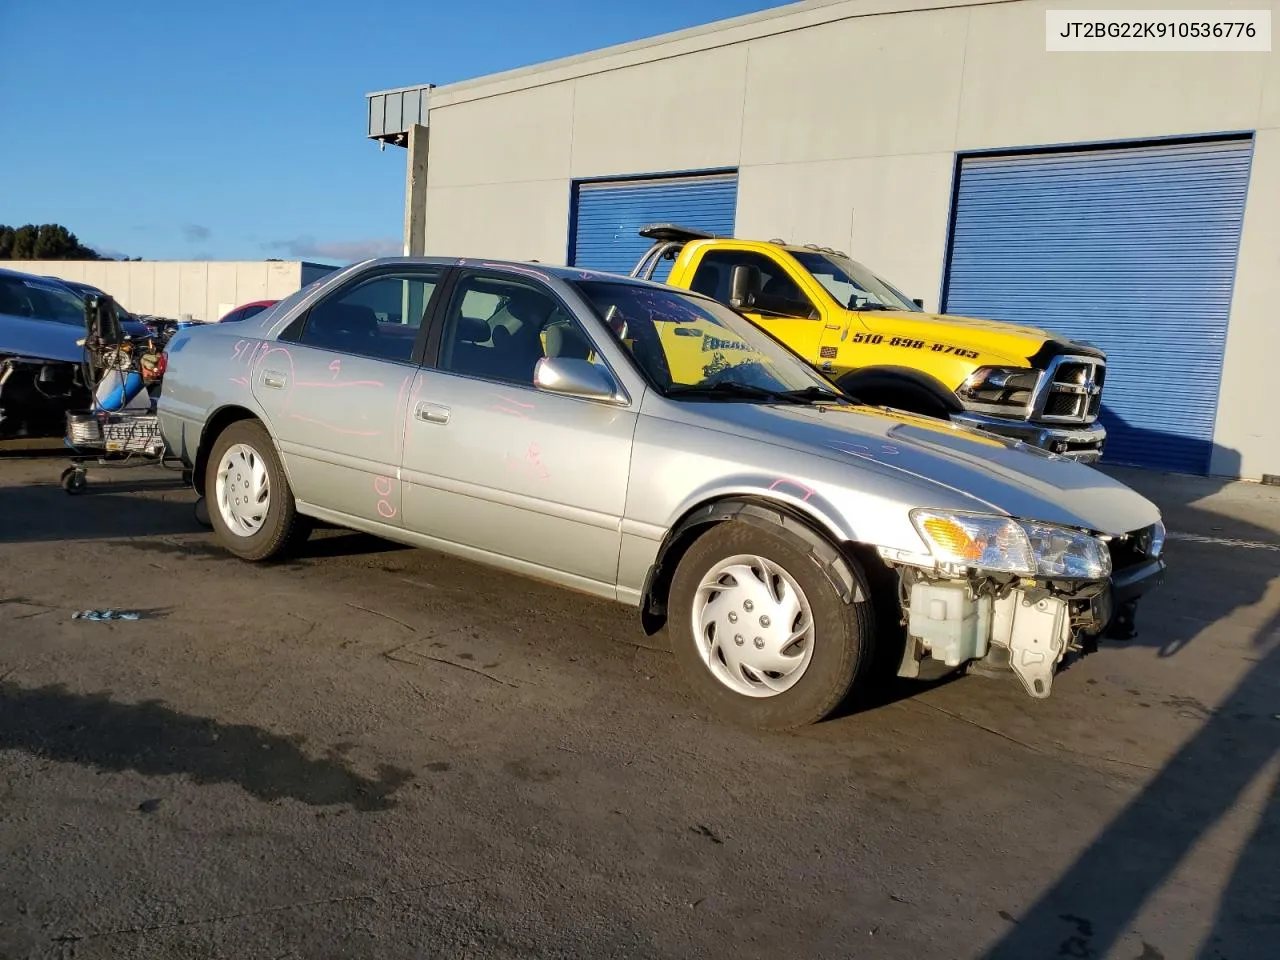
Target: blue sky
236, 131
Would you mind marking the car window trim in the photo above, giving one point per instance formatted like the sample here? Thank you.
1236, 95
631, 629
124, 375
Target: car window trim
296, 328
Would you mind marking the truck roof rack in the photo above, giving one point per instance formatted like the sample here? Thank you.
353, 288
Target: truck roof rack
673, 232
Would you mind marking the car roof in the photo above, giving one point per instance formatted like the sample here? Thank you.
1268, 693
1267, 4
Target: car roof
6, 272
559, 271
37, 277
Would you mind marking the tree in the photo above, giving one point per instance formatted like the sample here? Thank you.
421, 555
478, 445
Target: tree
24, 243
47, 241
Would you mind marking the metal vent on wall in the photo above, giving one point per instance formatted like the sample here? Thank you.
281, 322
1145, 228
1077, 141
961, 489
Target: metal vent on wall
1132, 249
608, 214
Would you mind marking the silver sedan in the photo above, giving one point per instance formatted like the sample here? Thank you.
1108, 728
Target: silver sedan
651, 446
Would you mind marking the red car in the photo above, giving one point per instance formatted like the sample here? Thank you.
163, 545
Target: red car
246, 310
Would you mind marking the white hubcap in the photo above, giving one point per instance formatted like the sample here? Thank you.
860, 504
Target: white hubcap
243, 490
753, 626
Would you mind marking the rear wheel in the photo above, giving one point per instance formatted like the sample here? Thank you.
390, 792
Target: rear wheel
759, 630
250, 505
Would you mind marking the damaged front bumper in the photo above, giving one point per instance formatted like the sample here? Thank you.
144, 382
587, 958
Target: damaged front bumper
1023, 628
35, 395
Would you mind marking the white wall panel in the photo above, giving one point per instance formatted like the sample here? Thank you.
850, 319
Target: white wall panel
679, 114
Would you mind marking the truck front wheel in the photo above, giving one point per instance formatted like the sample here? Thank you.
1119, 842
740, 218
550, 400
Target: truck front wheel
907, 398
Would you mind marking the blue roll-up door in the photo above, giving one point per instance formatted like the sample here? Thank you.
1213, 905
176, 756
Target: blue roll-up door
608, 215
1131, 249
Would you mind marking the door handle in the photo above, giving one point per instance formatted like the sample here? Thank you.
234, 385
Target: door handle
274, 379
431, 412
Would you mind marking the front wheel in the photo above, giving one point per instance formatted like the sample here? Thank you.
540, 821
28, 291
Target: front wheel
759, 630
916, 401
250, 504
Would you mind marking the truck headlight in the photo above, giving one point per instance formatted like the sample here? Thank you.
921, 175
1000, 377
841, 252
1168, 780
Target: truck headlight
1004, 545
999, 386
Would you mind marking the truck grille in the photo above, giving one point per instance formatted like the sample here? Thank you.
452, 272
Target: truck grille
1072, 390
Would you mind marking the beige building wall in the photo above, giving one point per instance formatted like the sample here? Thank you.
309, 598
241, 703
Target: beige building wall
203, 290
844, 118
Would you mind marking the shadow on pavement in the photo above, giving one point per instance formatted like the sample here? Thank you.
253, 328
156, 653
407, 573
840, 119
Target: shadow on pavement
1090, 908
45, 512
344, 543
150, 738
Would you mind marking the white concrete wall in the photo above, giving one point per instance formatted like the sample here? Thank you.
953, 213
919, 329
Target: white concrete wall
173, 288
844, 119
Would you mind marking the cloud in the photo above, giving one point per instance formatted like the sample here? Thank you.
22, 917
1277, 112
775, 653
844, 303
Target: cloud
349, 251
195, 231
108, 252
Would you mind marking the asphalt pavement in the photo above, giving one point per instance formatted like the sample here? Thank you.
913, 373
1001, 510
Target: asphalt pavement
373, 751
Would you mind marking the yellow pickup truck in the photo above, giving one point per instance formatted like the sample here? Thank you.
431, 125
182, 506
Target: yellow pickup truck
882, 348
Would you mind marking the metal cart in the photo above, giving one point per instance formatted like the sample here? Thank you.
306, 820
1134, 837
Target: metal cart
112, 441
120, 428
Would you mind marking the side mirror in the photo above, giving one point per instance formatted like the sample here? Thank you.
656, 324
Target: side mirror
918, 301
744, 286
574, 378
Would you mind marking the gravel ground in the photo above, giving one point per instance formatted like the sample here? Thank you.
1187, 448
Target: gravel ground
382, 752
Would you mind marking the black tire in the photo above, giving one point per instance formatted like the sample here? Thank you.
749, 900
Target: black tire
284, 528
201, 510
73, 481
843, 632
914, 401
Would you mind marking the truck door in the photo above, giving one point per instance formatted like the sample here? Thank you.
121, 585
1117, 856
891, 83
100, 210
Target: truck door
794, 316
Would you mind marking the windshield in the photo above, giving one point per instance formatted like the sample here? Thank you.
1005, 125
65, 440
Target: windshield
21, 297
688, 344
853, 285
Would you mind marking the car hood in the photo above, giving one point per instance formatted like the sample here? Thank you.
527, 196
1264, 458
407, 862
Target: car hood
1009, 341
1000, 475
49, 340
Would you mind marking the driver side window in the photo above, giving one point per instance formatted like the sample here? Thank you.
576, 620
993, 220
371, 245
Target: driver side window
498, 328
715, 269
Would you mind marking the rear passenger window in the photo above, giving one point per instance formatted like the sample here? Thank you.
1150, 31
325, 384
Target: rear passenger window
378, 318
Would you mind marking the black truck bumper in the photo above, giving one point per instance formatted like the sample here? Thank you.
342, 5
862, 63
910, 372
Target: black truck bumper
1121, 599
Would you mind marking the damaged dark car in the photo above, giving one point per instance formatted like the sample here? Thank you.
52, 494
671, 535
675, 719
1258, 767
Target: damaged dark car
42, 355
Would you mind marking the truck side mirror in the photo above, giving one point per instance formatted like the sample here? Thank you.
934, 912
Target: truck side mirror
744, 286
918, 301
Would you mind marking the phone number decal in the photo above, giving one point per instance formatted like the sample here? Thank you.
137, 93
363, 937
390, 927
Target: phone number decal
908, 343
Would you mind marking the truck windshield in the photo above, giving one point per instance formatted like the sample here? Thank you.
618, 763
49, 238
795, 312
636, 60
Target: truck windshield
852, 284
694, 347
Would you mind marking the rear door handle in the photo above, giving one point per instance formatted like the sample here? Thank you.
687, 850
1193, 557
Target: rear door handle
274, 379
431, 412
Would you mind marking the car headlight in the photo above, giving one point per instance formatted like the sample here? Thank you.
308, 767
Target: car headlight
1158, 535
1063, 554
1003, 545
999, 387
